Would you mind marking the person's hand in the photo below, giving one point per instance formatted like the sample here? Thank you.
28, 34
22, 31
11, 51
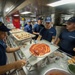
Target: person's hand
37, 33
73, 49
20, 63
22, 46
19, 47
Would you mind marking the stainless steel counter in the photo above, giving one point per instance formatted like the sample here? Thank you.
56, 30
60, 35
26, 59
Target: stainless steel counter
52, 62
61, 64
34, 60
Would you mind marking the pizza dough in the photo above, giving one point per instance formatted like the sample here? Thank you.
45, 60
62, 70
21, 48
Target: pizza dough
39, 49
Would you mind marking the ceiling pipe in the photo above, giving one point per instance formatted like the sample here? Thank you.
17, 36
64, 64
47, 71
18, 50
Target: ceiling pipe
17, 3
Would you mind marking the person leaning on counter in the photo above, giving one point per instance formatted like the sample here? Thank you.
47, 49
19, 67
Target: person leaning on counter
66, 39
48, 32
3, 49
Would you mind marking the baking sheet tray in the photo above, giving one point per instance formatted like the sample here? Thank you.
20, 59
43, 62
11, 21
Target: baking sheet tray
15, 30
22, 36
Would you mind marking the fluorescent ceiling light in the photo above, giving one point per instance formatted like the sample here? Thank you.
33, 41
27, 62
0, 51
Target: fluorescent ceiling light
62, 2
32, 15
16, 15
26, 12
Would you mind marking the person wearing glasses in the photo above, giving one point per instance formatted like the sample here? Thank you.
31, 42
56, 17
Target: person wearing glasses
48, 32
66, 39
4, 67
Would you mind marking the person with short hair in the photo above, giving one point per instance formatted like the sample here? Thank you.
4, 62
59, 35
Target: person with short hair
48, 32
3, 49
38, 27
28, 27
66, 39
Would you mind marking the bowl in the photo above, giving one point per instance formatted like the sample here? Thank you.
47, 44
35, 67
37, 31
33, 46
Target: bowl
56, 71
71, 68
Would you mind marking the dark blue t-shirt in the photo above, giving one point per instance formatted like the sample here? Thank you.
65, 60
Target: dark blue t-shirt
37, 28
48, 33
28, 28
25, 24
3, 57
67, 42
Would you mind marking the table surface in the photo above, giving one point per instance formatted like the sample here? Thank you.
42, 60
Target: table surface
61, 64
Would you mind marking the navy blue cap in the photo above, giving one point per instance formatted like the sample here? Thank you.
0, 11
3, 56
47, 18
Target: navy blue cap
48, 19
3, 27
28, 20
72, 19
40, 18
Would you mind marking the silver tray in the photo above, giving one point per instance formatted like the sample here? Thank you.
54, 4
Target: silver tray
23, 36
15, 30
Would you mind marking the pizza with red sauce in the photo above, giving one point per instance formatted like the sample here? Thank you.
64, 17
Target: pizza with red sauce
39, 49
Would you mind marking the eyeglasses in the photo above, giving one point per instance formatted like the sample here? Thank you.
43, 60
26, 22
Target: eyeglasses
29, 22
47, 22
70, 23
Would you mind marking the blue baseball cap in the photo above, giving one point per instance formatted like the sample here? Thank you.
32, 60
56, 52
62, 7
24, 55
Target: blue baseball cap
48, 19
28, 20
40, 18
3, 27
72, 20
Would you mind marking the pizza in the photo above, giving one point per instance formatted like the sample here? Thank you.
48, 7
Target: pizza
71, 61
15, 30
22, 35
39, 49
